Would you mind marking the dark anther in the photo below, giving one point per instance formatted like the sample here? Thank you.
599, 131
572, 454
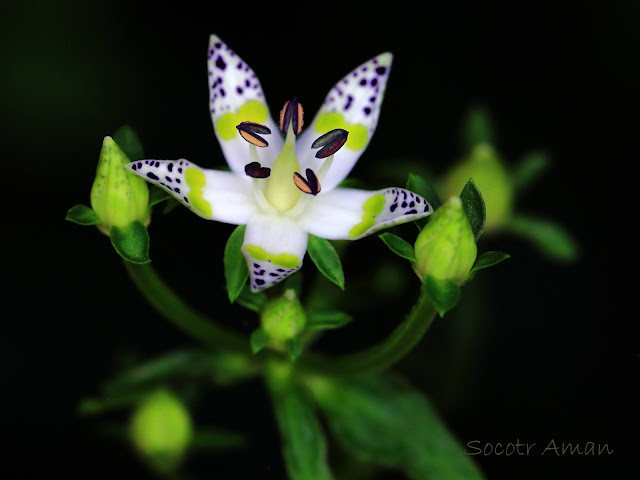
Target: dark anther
309, 185
255, 170
291, 113
250, 131
330, 142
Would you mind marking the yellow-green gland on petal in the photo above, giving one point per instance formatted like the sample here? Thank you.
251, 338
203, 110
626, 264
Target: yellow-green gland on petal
491, 177
283, 318
161, 430
118, 196
446, 248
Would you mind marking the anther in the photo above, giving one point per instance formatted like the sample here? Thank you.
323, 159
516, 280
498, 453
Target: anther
249, 131
292, 113
255, 170
309, 185
330, 142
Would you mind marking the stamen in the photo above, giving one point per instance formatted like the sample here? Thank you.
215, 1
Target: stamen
310, 185
249, 131
255, 170
330, 142
292, 113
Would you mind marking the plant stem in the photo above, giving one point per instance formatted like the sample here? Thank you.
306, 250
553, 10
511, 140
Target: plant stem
379, 357
174, 309
371, 360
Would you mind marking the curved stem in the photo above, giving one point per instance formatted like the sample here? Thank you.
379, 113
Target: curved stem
379, 357
174, 309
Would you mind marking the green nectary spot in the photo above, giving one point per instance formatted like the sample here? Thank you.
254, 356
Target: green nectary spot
357, 138
329, 121
372, 207
358, 134
196, 180
252, 111
285, 260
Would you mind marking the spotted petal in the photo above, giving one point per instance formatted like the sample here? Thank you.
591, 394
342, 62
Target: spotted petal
274, 249
235, 96
350, 214
353, 104
212, 194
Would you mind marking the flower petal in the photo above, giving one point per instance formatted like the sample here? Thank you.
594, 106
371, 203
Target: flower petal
235, 96
353, 104
350, 214
274, 249
212, 194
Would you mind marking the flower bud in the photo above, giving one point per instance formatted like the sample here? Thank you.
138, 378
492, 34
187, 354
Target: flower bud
491, 177
446, 248
161, 430
283, 318
118, 196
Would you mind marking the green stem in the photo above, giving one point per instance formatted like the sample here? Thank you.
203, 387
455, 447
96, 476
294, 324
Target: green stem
379, 357
174, 309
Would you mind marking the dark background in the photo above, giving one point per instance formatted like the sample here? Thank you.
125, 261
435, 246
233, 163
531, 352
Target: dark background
554, 353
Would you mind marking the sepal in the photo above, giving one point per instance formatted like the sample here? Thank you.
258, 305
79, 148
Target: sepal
131, 242
82, 215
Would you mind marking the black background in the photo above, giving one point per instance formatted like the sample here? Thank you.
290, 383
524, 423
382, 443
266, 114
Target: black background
558, 355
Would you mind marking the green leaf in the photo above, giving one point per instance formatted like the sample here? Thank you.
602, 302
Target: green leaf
399, 246
235, 266
304, 447
259, 339
207, 439
444, 294
129, 142
489, 259
528, 170
250, 300
477, 127
327, 319
158, 370
473, 204
82, 215
326, 259
294, 347
551, 239
157, 195
384, 420
419, 185
131, 242
93, 406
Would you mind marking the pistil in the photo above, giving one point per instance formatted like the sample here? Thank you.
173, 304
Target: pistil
280, 191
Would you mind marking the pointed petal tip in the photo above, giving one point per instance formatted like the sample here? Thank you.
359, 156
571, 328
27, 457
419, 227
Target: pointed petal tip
213, 38
385, 59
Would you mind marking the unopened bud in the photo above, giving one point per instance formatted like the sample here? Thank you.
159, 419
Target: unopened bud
446, 248
161, 430
283, 318
118, 197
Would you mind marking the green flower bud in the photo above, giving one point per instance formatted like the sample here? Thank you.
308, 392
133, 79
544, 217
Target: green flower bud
161, 430
488, 172
446, 248
283, 318
118, 196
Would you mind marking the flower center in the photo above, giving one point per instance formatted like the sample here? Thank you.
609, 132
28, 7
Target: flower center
281, 192
284, 185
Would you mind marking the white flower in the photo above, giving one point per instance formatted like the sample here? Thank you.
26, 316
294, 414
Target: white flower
283, 191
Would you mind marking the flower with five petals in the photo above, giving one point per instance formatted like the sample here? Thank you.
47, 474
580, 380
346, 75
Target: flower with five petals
266, 188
